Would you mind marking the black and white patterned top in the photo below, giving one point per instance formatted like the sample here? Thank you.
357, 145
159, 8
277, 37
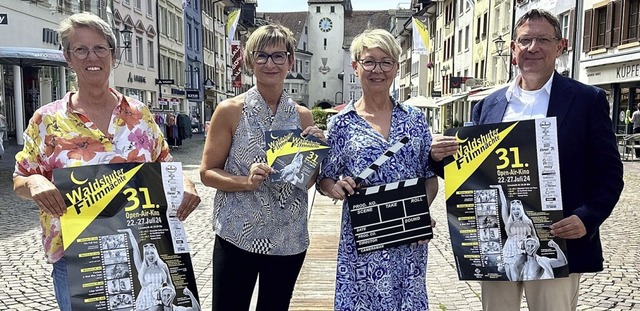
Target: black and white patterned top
271, 220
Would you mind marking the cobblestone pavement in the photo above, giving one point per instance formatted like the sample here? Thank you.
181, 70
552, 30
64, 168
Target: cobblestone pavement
26, 281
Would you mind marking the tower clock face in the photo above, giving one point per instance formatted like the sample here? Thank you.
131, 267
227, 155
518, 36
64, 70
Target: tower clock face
325, 24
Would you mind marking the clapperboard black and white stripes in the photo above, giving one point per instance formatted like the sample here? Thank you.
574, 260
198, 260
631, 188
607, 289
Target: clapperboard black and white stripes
380, 160
389, 215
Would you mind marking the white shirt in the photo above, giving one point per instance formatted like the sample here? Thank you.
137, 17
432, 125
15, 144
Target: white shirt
524, 104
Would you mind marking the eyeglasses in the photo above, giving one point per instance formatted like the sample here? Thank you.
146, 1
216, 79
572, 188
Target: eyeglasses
278, 58
82, 52
524, 43
386, 65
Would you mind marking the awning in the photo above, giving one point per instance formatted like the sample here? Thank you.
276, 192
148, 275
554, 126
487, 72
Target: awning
422, 102
25, 56
484, 93
451, 99
336, 109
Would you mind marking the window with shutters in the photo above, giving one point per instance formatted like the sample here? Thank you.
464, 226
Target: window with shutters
564, 24
599, 27
610, 25
567, 25
631, 21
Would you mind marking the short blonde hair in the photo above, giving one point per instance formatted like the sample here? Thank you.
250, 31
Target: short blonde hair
375, 38
88, 20
267, 36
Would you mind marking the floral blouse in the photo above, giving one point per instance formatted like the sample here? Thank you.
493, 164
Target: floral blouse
58, 137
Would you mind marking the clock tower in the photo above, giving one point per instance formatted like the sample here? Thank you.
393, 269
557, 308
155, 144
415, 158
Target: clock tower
326, 36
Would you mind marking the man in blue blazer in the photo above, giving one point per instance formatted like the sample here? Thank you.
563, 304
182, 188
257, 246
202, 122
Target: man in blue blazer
590, 165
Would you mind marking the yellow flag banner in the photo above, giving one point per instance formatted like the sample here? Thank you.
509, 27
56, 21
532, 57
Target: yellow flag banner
420, 37
121, 219
232, 24
502, 191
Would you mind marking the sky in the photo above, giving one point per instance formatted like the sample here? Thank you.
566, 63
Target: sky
301, 5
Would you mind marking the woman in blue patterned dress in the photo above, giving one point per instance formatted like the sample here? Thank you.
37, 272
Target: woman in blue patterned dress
260, 226
392, 278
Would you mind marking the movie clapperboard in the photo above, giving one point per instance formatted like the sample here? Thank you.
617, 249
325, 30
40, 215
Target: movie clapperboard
391, 214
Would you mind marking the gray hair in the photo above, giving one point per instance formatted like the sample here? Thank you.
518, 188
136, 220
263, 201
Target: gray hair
375, 38
87, 20
539, 14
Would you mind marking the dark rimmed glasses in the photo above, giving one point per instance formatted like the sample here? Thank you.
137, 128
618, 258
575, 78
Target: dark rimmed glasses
526, 42
386, 65
278, 58
82, 52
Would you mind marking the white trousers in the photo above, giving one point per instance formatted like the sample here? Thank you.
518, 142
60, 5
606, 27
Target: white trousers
559, 294
2, 134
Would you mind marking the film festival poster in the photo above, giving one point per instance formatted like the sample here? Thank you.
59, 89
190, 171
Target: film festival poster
124, 247
294, 158
502, 192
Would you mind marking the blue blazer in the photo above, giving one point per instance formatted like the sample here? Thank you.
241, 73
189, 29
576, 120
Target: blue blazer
590, 165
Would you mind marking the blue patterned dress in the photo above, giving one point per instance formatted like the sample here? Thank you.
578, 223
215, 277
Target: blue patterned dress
390, 279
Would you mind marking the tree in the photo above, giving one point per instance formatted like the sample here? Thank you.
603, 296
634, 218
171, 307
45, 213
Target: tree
319, 117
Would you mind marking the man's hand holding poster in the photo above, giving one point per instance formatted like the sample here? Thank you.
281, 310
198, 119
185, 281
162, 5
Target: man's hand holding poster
502, 191
123, 245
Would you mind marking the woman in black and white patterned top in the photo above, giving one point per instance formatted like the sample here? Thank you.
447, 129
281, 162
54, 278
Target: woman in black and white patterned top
261, 227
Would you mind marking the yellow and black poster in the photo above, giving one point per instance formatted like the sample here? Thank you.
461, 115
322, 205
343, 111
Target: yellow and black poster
502, 191
293, 157
124, 247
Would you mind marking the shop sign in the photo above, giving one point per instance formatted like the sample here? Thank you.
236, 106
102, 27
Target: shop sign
136, 78
50, 36
193, 94
177, 91
164, 81
615, 73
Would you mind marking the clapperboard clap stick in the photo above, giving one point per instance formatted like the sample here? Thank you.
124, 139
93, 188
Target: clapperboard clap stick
377, 163
391, 214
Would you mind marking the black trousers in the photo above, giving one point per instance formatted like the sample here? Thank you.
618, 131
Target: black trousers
235, 272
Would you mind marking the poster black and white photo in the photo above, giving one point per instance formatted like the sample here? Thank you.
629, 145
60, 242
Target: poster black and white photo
124, 247
294, 158
502, 192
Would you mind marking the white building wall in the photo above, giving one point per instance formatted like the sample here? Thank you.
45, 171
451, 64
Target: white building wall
464, 33
171, 45
134, 78
327, 60
26, 30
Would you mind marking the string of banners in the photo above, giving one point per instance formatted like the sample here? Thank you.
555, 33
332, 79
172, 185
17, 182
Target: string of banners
389, 215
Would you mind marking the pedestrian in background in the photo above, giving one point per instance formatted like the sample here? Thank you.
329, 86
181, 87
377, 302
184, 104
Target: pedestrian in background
261, 227
95, 125
590, 164
3, 133
635, 119
392, 278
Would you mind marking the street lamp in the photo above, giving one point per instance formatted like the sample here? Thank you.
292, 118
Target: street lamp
499, 45
125, 37
193, 67
444, 69
208, 85
499, 42
193, 90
